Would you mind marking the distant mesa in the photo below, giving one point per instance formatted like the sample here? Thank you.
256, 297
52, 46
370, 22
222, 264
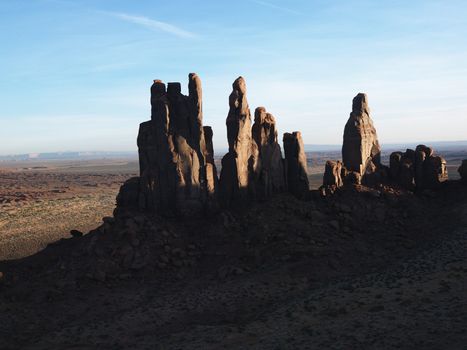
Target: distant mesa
176, 156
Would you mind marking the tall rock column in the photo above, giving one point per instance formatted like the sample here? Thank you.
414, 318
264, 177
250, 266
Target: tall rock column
174, 175
240, 164
361, 152
297, 172
271, 177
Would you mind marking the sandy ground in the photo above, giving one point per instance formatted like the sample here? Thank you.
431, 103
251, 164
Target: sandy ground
41, 202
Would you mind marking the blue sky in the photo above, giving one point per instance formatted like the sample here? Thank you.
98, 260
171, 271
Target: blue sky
75, 74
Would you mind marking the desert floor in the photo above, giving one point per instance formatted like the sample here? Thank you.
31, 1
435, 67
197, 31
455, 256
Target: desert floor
40, 202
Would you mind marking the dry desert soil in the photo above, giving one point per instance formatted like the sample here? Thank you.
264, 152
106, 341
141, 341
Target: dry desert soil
40, 202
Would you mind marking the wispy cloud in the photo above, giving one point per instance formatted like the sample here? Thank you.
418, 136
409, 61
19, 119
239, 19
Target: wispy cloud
154, 25
274, 6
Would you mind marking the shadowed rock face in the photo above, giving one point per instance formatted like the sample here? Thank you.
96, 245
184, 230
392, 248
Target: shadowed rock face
297, 174
418, 169
463, 171
271, 177
361, 152
240, 165
177, 173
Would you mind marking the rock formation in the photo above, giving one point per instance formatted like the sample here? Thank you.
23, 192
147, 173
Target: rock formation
361, 152
177, 172
176, 156
417, 169
297, 174
240, 165
271, 177
463, 171
334, 172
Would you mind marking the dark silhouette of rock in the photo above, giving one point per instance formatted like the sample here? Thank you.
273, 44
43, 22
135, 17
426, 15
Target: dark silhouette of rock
128, 196
463, 171
177, 172
297, 174
418, 169
271, 177
76, 233
361, 152
240, 165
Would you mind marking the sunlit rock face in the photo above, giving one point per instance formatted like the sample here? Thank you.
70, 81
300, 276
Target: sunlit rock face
361, 152
297, 172
333, 174
418, 169
270, 177
240, 166
177, 172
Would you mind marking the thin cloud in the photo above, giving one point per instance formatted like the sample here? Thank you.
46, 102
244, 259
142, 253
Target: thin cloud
155, 25
274, 6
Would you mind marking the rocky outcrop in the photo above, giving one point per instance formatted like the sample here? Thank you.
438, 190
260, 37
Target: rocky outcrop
297, 173
361, 152
240, 166
417, 169
177, 172
463, 171
334, 172
271, 177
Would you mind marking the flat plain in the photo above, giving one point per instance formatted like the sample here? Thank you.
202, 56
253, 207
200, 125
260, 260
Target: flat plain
40, 202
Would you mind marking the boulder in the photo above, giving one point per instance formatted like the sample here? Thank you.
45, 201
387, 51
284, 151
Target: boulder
418, 169
361, 152
333, 174
297, 172
240, 165
271, 177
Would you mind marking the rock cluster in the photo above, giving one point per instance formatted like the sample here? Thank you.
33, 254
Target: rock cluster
361, 155
417, 169
463, 171
176, 155
361, 152
177, 172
